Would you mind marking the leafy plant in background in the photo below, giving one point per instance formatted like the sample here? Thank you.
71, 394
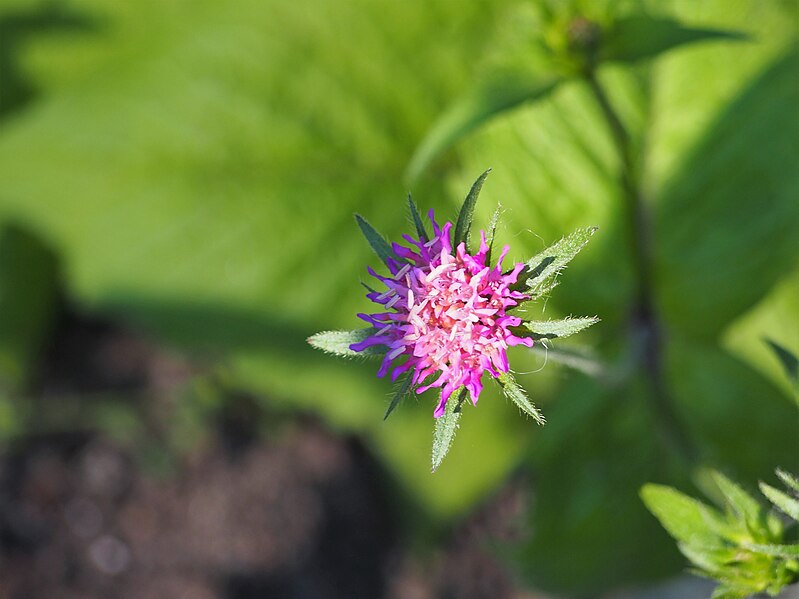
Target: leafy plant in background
747, 548
454, 314
577, 48
171, 151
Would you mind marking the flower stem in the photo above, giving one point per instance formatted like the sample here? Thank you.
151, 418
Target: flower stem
647, 339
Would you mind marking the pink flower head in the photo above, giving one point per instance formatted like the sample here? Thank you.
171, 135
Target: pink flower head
444, 315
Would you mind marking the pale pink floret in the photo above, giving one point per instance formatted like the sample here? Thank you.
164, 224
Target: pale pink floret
447, 317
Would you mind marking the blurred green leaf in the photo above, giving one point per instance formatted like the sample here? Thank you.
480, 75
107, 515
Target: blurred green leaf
488, 98
788, 360
338, 342
464, 224
687, 519
580, 359
788, 551
747, 153
746, 508
446, 427
556, 329
787, 504
720, 401
638, 37
584, 493
788, 480
515, 393
29, 286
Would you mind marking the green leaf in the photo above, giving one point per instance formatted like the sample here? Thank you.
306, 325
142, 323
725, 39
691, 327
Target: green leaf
747, 151
541, 270
338, 342
785, 503
517, 394
580, 359
788, 480
788, 360
639, 37
489, 98
376, 241
399, 395
745, 507
446, 427
557, 329
492, 232
685, 518
417, 219
464, 223
787, 551
733, 397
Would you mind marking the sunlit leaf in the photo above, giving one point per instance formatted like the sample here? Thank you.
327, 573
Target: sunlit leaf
489, 98
541, 270
557, 329
687, 519
787, 504
338, 342
787, 551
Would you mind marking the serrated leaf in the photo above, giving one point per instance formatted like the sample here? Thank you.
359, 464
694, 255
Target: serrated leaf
492, 232
338, 342
639, 37
399, 395
685, 518
464, 223
744, 506
488, 99
788, 551
517, 394
417, 219
557, 329
788, 479
376, 241
784, 502
446, 427
542, 268
788, 360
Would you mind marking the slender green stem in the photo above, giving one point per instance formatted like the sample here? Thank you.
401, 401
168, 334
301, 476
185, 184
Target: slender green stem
646, 329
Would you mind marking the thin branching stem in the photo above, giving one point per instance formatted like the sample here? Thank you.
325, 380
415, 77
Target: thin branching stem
647, 338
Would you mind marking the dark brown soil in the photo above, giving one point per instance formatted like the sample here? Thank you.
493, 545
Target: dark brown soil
298, 513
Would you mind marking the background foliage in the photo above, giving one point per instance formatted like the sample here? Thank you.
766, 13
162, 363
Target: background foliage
192, 168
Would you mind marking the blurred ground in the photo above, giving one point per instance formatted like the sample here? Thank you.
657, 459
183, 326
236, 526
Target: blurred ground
303, 513
300, 513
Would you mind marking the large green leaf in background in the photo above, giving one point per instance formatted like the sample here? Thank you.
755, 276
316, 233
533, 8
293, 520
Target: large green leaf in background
198, 165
